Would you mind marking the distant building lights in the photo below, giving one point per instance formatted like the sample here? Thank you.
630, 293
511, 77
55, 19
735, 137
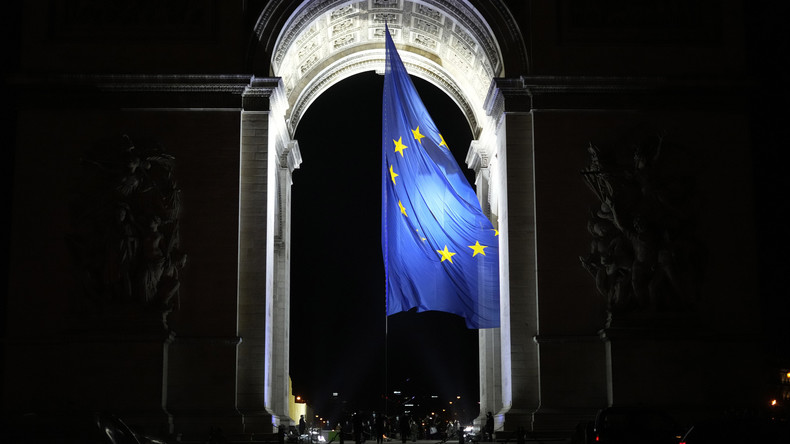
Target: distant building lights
396, 392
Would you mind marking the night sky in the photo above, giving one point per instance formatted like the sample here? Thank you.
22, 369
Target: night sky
341, 339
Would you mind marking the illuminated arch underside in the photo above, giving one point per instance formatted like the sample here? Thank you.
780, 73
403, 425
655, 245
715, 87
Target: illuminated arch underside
444, 42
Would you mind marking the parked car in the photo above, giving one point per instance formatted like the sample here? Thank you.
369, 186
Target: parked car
635, 425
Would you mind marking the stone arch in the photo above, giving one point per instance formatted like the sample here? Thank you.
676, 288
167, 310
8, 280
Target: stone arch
304, 47
446, 43
501, 22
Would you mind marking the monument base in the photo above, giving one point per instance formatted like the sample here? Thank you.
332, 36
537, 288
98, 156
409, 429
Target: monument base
670, 362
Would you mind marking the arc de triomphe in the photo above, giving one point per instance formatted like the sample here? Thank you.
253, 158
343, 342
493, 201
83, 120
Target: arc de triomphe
451, 45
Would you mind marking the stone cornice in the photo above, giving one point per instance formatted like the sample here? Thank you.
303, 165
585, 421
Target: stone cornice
294, 156
564, 339
528, 93
264, 94
476, 157
200, 341
140, 83
154, 91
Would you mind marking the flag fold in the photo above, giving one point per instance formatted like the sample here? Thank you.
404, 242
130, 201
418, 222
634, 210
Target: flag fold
440, 250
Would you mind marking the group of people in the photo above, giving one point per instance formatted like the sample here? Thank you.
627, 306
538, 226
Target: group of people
404, 427
380, 427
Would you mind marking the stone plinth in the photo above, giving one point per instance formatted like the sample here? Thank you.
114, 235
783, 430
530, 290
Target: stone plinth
672, 362
117, 363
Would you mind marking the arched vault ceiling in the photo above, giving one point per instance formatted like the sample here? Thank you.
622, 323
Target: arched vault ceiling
444, 42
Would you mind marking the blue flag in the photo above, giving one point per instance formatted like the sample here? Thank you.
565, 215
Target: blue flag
440, 251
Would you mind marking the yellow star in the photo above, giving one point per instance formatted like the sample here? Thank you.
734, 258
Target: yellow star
496, 232
446, 254
417, 134
478, 248
393, 174
443, 142
399, 146
402, 209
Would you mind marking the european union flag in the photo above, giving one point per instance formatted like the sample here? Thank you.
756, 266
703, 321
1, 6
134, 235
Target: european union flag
440, 251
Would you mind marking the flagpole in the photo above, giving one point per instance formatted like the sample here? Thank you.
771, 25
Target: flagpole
386, 318
386, 366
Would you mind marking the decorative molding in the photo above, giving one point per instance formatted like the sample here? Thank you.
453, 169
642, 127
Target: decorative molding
379, 4
565, 339
294, 159
344, 41
378, 33
494, 103
450, 33
425, 11
144, 83
368, 62
342, 12
265, 94
390, 18
476, 157
424, 41
427, 26
210, 340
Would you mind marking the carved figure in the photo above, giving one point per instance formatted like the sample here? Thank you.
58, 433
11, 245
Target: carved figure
125, 235
640, 254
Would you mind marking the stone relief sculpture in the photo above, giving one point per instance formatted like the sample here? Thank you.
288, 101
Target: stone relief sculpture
642, 255
125, 233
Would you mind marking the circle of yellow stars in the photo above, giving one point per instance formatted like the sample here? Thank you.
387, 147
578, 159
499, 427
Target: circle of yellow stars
445, 254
